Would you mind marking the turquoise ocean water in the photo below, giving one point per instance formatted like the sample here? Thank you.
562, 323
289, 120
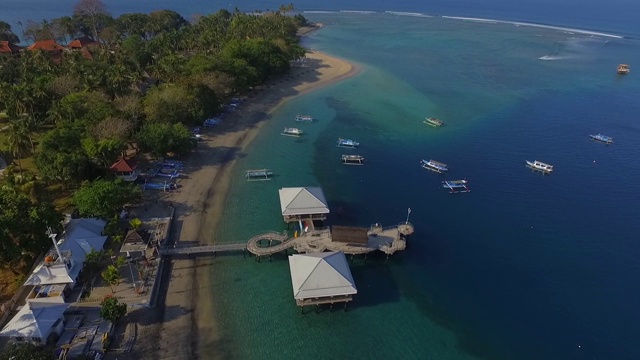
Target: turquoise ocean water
525, 266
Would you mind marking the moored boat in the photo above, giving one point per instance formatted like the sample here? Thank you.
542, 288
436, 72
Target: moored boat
352, 160
456, 186
291, 132
434, 166
433, 122
540, 166
348, 143
602, 138
306, 118
623, 69
258, 174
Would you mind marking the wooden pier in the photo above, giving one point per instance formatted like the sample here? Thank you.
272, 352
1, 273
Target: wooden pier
387, 239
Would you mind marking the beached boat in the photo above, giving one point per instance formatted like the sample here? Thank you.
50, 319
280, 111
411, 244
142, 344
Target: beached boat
306, 118
433, 122
291, 132
602, 138
352, 160
348, 143
258, 174
540, 166
456, 186
623, 69
434, 166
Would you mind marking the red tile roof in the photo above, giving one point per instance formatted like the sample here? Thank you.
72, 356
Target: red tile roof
82, 42
9, 48
124, 165
46, 45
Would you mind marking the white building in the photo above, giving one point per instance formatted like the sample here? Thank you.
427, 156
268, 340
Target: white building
37, 323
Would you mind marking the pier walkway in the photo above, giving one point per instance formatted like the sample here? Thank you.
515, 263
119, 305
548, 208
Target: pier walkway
388, 240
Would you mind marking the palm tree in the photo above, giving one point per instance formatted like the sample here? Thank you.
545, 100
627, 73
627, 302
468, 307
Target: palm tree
19, 141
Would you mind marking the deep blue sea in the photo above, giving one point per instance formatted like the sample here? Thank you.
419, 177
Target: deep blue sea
525, 266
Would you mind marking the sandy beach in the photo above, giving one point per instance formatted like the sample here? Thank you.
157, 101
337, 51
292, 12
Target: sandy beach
185, 314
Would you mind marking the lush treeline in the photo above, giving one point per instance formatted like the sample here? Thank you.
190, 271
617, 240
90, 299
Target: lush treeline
147, 79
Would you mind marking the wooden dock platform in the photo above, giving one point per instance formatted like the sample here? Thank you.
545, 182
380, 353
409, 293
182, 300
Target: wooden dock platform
388, 240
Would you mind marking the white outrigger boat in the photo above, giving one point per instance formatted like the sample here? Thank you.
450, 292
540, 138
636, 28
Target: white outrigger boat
602, 138
306, 118
291, 132
258, 175
433, 122
352, 160
456, 186
540, 166
347, 143
433, 165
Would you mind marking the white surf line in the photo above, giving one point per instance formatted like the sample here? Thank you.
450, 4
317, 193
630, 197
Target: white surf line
518, 23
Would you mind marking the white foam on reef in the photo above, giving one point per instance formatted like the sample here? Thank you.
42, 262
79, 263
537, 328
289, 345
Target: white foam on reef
552, 57
319, 12
402, 13
357, 11
518, 23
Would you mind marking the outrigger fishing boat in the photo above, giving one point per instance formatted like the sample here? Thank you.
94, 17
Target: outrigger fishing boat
434, 166
623, 69
602, 138
456, 186
433, 122
540, 166
347, 143
291, 132
352, 160
306, 118
258, 175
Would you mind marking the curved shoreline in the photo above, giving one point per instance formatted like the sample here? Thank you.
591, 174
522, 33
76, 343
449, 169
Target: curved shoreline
187, 317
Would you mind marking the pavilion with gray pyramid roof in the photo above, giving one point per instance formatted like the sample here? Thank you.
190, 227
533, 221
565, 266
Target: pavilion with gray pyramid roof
303, 205
321, 278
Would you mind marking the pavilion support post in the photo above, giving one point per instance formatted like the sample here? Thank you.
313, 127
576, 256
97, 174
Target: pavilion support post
345, 306
386, 260
269, 257
317, 309
365, 258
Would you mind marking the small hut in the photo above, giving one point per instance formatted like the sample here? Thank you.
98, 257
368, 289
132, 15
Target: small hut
126, 169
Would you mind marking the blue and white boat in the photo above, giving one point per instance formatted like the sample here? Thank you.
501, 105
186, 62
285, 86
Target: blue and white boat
258, 174
540, 166
602, 138
291, 132
456, 186
352, 160
434, 166
306, 118
348, 143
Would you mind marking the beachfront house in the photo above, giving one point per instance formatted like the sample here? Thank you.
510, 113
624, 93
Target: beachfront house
37, 322
321, 278
126, 169
60, 269
303, 205
8, 48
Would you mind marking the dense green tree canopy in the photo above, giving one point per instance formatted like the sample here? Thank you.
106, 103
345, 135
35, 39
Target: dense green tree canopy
161, 139
104, 198
63, 159
23, 226
111, 309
